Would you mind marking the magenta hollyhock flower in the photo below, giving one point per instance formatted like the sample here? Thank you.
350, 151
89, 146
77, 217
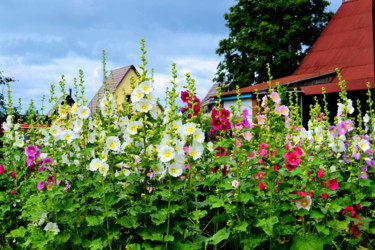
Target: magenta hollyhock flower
333, 184
2, 170
320, 173
12, 192
220, 151
30, 161
292, 159
214, 170
13, 174
345, 157
40, 185
216, 123
47, 161
40, 169
261, 185
349, 209
183, 109
31, 151
224, 113
260, 175
185, 96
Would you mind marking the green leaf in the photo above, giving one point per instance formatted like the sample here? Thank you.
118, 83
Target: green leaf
316, 214
245, 197
322, 229
312, 242
128, 221
219, 236
242, 227
19, 232
267, 224
159, 217
133, 247
94, 220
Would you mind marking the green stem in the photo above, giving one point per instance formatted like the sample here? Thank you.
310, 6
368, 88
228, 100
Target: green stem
106, 215
169, 215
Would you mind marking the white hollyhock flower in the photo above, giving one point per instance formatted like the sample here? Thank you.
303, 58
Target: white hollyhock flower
132, 128
177, 125
83, 112
188, 128
146, 87
52, 227
304, 203
196, 150
175, 169
77, 125
42, 219
143, 106
166, 153
55, 131
95, 164
68, 135
364, 145
113, 143
198, 135
136, 95
103, 169
158, 168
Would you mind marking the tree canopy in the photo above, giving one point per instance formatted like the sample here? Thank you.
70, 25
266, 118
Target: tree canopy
3, 106
278, 32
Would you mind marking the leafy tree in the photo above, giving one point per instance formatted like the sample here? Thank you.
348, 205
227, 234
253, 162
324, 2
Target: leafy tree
278, 32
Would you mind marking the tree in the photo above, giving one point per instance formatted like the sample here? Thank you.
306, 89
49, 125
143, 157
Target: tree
278, 32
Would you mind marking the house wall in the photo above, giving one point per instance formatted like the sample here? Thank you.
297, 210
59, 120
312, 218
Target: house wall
125, 86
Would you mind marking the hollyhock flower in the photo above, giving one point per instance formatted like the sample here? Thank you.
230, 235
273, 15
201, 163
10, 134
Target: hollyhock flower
292, 159
275, 97
264, 101
363, 173
95, 164
175, 169
166, 153
42, 219
324, 195
183, 110
333, 184
185, 96
158, 168
52, 227
261, 119
196, 150
83, 112
225, 126
304, 203
136, 95
261, 185
189, 128
146, 87
31, 151
216, 123
247, 135
13, 174
198, 135
349, 209
103, 169
12, 192
364, 145
251, 155
40, 185
320, 173
220, 151
143, 106
113, 143
235, 184
67, 186
2, 170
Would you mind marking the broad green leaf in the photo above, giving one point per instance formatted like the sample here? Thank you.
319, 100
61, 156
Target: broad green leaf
267, 224
242, 227
94, 220
219, 236
128, 221
310, 243
322, 229
19, 232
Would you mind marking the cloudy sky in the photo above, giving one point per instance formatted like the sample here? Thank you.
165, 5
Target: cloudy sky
42, 39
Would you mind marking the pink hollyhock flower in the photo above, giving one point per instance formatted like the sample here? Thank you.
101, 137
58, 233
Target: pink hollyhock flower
12, 192
292, 159
238, 143
263, 145
304, 203
2, 170
183, 109
349, 209
298, 151
247, 135
40, 185
261, 185
216, 123
68, 186
261, 119
324, 195
251, 155
320, 173
13, 174
333, 184
275, 97
264, 101
30, 161
31, 151
235, 184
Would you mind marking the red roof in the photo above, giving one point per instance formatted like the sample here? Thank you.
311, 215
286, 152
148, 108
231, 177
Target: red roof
346, 43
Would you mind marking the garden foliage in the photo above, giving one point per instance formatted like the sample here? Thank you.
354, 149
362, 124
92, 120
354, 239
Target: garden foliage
133, 177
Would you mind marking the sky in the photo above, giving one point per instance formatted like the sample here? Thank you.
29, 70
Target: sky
41, 40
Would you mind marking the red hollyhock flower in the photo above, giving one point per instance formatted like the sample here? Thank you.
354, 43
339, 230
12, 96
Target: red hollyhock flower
333, 184
2, 170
